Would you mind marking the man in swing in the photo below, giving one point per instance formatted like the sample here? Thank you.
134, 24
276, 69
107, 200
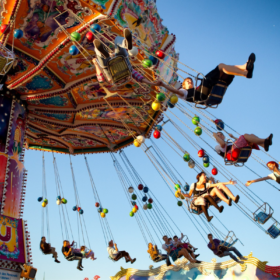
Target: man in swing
47, 249
222, 72
116, 255
223, 251
123, 47
70, 255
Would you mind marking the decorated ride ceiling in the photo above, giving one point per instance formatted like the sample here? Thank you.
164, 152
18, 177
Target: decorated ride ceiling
67, 111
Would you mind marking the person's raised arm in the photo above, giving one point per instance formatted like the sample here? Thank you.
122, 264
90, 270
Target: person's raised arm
223, 183
219, 140
172, 89
257, 180
188, 194
116, 247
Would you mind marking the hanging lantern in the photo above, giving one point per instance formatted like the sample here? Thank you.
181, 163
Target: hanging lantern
169, 104
146, 63
140, 187
74, 208
73, 50
75, 36
145, 189
206, 159
206, 164
103, 215
191, 164
220, 125
95, 28
149, 205
134, 210
160, 54
156, 134
40, 199
90, 36
136, 206
145, 206
105, 211
133, 51
131, 214
81, 212
173, 99
177, 187
144, 198
100, 209
214, 171
153, 59
158, 127
140, 139
133, 203
198, 131
58, 197
78, 209
46, 201
64, 201
134, 197
160, 97
18, 33
195, 120
136, 143
186, 157
44, 204
179, 203
156, 105
96, 204
150, 200
130, 189
5, 28
186, 187
200, 153
58, 202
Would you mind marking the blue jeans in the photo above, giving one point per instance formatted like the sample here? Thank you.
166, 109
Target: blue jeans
228, 253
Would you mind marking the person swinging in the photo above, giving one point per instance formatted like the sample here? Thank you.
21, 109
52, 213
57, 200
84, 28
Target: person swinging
222, 73
47, 249
70, 254
156, 256
206, 193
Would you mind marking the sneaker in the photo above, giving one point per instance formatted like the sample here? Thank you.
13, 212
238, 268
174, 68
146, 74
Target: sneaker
196, 255
270, 139
266, 145
221, 209
198, 262
57, 261
250, 65
210, 218
230, 202
133, 261
127, 261
128, 38
240, 262
237, 199
98, 45
79, 268
243, 259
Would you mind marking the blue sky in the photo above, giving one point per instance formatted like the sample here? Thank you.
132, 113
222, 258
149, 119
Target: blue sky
208, 33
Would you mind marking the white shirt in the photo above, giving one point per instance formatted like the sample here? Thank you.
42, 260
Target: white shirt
112, 252
192, 188
185, 92
165, 246
272, 176
220, 149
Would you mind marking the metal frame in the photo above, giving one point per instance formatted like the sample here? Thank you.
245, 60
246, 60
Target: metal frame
7, 59
236, 162
264, 208
229, 240
276, 224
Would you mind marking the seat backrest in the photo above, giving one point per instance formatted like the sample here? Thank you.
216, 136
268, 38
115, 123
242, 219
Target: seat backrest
119, 69
261, 218
273, 231
244, 154
217, 93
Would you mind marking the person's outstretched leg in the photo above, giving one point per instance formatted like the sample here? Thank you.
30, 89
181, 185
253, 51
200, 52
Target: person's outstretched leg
226, 253
185, 253
205, 211
233, 70
217, 192
229, 193
251, 138
237, 253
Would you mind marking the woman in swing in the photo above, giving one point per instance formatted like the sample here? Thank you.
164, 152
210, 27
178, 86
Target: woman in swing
222, 72
232, 151
273, 166
204, 193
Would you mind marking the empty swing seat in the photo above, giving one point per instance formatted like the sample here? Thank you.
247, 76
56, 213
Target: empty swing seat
119, 69
273, 231
261, 217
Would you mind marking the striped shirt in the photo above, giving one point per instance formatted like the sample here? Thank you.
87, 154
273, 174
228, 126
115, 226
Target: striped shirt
137, 76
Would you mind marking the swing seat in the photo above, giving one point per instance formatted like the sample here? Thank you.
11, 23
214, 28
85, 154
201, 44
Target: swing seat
119, 70
263, 213
239, 159
214, 96
228, 245
261, 218
111, 259
274, 231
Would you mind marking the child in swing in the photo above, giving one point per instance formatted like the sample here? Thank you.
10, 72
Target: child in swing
87, 255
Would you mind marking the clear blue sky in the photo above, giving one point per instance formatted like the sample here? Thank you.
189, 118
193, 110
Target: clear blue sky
208, 33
